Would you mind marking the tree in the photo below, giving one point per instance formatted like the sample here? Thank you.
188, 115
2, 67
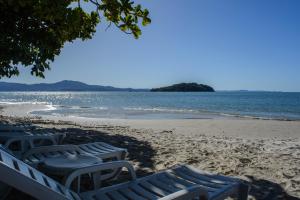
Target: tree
33, 32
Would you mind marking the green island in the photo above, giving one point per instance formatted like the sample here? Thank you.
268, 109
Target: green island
184, 87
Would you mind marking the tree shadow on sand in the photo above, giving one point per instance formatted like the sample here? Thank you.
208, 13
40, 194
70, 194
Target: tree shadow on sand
142, 154
267, 190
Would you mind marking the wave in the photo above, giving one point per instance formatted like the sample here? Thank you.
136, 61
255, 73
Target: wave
161, 109
84, 107
47, 106
257, 117
50, 108
23, 102
206, 113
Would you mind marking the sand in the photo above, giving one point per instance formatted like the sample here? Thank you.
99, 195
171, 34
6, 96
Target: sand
265, 153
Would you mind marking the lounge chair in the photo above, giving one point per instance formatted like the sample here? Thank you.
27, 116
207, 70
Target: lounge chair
99, 149
180, 183
19, 144
5, 135
106, 152
16, 127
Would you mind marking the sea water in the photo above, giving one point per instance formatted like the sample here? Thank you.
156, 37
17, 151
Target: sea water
158, 105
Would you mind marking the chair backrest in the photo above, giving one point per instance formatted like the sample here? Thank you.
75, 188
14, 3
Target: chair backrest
21, 176
21, 144
10, 128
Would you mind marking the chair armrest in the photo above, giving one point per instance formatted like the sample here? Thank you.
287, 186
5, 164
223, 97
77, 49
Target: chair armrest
99, 168
189, 193
29, 140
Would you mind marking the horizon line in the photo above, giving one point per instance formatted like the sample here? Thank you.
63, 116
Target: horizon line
104, 85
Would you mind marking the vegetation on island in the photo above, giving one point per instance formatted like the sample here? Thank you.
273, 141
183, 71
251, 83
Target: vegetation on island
34, 32
184, 87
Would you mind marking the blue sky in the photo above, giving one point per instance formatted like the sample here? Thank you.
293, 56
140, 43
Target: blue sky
229, 45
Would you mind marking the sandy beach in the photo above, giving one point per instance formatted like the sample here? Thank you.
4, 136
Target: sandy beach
210, 84
265, 153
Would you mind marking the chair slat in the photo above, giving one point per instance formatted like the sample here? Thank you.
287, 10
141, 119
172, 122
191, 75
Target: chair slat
106, 146
146, 185
7, 160
167, 180
115, 195
218, 177
39, 156
24, 169
205, 177
87, 150
167, 187
179, 180
38, 177
93, 148
31, 158
142, 191
195, 180
101, 196
185, 182
131, 194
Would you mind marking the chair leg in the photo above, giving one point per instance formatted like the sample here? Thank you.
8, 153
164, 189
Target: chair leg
97, 179
203, 198
243, 191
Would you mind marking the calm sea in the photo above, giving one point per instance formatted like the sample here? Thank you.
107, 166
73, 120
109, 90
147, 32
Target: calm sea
145, 105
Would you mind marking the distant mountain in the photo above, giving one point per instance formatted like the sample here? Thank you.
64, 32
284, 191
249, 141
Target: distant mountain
185, 87
61, 86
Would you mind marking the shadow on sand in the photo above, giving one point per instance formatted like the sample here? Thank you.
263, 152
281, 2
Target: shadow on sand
142, 153
267, 190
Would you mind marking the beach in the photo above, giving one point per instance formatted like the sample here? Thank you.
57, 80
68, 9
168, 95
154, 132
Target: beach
265, 153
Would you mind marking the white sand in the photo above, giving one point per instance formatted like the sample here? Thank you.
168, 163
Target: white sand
266, 153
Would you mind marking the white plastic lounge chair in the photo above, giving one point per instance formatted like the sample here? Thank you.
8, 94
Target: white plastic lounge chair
102, 150
180, 183
8, 127
4, 188
22, 143
57, 136
99, 149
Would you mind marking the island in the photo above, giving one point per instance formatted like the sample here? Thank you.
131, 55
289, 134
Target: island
184, 87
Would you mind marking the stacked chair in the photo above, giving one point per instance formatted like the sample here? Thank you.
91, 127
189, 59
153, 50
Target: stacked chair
28, 172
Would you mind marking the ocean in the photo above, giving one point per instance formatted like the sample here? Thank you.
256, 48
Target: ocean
156, 105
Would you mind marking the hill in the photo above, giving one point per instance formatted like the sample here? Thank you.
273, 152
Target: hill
184, 87
61, 86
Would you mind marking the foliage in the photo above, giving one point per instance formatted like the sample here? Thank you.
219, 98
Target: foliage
34, 31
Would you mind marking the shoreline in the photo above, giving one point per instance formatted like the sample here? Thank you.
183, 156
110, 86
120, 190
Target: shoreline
265, 153
231, 127
29, 109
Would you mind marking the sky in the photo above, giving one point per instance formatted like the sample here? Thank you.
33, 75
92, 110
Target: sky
227, 44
